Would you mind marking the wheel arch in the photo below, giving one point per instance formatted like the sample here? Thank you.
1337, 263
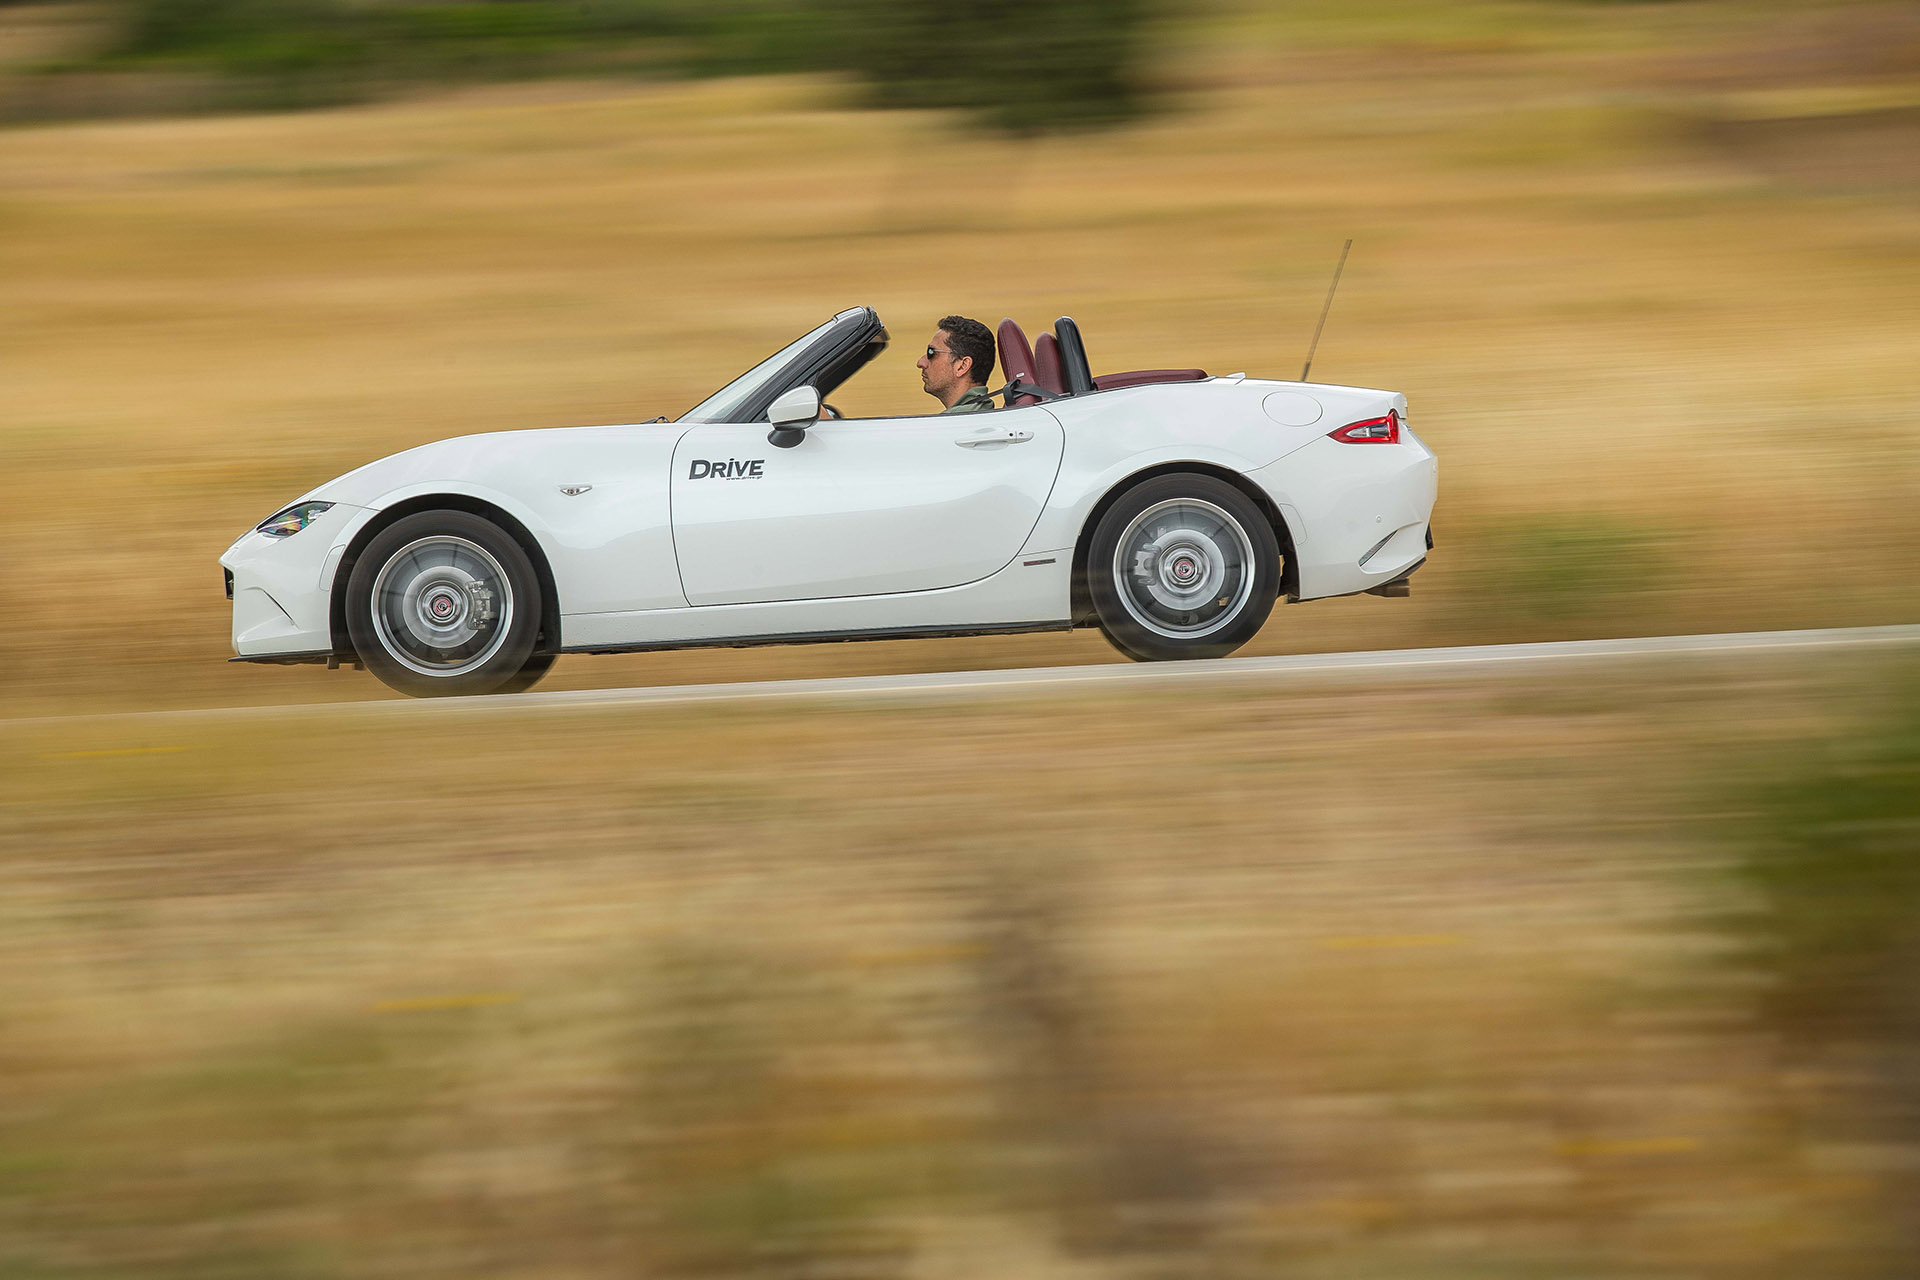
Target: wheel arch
1082, 601
549, 639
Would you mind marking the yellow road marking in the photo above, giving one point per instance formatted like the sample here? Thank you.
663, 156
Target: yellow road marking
1387, 941
115, 751
930, 954
1628, 1146
428, 1004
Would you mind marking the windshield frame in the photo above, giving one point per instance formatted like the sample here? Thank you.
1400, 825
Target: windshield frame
820, 351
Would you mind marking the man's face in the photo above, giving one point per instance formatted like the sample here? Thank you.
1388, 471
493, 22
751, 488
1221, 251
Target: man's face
939, 373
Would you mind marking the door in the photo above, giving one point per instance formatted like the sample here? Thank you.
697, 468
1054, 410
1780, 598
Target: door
859, 507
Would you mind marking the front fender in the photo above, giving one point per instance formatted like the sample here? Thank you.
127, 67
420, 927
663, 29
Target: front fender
609, 547
422, 496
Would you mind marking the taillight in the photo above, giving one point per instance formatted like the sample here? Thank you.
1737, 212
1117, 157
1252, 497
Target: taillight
1373, 431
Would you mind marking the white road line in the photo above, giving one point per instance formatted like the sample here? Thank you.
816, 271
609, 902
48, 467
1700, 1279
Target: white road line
1383, 662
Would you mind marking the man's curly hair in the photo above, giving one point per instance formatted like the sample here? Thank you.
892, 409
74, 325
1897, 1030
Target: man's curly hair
970, 338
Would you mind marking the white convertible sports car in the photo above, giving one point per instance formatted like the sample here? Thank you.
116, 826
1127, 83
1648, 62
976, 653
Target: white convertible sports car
1167, 507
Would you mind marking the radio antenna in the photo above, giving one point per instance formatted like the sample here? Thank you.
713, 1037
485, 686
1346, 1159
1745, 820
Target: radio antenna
1315, 345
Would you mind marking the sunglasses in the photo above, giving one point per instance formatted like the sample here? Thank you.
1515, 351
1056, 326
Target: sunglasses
933, 351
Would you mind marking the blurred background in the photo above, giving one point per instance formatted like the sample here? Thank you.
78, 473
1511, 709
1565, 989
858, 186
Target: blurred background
1602, 973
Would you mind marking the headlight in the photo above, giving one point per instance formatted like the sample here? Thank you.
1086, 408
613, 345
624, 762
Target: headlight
285, 524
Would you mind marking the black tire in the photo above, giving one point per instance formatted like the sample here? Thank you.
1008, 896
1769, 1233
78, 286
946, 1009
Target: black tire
532, 673
1201, 574
444, 603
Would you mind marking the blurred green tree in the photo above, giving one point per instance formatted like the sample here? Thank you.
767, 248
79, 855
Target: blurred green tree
1021, 68
1831, 852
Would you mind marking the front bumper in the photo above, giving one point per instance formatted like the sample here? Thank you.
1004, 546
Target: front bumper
282, 588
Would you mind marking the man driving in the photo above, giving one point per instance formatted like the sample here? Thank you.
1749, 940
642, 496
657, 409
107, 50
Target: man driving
957, 364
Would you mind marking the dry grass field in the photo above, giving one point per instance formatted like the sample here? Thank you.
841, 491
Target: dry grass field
1667, 359
1417, 981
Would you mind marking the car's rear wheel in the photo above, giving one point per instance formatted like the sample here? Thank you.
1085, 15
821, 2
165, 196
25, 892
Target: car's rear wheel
535, 670
1183, 566
444, 603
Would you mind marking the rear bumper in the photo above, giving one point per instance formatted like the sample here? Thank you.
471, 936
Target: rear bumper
1358, 513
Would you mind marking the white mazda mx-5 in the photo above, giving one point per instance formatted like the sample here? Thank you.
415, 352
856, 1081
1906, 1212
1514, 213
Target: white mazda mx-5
1165, 506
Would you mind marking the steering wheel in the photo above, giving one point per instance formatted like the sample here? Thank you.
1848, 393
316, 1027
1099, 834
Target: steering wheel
831, 412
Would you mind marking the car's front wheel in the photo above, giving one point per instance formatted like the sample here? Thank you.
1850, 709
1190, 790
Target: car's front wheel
1183, 566
443, 603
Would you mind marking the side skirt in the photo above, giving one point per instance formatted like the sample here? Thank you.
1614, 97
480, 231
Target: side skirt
830, 637
291, 659
320, 657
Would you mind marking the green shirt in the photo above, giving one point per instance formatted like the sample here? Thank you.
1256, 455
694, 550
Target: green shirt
976, 399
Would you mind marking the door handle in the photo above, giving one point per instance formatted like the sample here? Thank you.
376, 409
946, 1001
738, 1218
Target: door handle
993, 436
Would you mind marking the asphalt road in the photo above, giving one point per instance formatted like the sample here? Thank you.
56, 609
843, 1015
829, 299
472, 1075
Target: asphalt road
1364, 667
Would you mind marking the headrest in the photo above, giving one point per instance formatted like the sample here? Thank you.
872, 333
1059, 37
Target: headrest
1046, 363
1016, 360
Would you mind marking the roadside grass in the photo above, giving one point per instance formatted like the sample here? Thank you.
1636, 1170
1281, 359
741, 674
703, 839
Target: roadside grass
1835, 870
1561, 570
1416, 980
1828, 844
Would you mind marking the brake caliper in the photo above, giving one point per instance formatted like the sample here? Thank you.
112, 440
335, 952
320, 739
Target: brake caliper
483, 606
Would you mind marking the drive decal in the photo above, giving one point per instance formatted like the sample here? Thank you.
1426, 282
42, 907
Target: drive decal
726, 469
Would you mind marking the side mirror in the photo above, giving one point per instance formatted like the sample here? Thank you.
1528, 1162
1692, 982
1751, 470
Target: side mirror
791, 414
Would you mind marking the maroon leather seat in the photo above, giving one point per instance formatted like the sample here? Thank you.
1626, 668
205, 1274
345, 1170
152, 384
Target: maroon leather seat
1016, 360
1047, 368
1044, 364
1146, 377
